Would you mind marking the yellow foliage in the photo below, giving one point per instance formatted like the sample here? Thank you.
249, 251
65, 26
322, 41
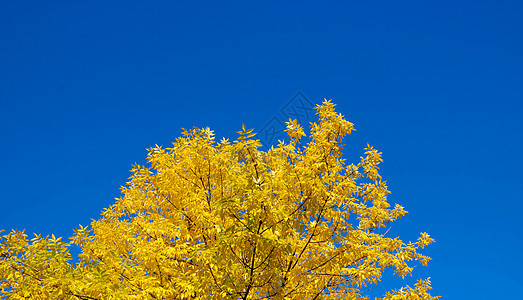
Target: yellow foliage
209, 220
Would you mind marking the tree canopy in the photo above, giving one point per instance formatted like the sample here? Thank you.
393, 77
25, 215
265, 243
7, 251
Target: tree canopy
227, 220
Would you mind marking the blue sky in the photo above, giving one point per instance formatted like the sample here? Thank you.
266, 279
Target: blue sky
87, 86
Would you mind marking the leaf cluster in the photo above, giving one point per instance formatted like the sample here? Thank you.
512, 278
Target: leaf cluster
226, 220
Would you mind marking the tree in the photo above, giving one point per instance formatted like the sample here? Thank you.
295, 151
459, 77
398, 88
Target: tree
222, 220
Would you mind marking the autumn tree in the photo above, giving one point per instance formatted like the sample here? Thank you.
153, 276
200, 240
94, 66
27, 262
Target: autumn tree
226, 220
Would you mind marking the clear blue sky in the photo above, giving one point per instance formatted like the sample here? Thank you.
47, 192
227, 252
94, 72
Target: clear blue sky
87, 86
